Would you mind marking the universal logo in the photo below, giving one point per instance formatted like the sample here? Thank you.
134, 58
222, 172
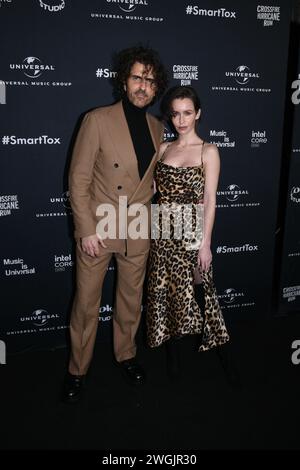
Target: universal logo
128, 6
64, 200
295, 194
53, 6
233, 192
242, 75
39, 317
32, 67
230, 295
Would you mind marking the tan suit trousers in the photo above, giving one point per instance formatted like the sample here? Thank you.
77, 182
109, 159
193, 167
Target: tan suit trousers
85, 313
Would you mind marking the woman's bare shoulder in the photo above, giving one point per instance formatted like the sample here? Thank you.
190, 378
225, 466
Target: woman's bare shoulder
210, 152
162, 148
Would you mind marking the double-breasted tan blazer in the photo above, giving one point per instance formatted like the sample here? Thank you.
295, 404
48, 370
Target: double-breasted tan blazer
104, 167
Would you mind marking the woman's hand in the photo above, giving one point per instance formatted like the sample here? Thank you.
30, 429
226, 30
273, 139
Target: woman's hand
204, 257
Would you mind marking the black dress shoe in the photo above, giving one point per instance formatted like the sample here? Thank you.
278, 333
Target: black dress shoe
132, 371
73, 388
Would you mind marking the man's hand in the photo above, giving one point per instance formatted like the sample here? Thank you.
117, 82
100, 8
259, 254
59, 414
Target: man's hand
90, 245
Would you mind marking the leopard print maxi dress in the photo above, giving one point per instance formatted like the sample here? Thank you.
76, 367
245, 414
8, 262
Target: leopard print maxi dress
172, 309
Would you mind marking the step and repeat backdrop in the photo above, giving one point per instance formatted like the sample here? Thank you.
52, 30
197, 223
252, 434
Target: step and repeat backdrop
56, 64
289, 292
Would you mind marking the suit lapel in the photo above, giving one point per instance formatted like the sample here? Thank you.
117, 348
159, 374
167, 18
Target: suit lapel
155, 132
120, 136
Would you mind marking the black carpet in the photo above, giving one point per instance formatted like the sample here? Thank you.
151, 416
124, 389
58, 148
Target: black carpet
202, 410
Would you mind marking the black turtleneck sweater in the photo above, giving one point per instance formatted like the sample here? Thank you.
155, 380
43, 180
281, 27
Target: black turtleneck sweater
140, 134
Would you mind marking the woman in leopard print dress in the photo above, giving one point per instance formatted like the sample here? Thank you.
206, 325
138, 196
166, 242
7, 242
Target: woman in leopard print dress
186, 174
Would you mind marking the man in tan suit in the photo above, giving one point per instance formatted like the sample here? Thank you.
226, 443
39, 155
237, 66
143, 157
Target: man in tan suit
114, 156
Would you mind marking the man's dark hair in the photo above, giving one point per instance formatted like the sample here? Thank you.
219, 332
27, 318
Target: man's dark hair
178, 92
147, 56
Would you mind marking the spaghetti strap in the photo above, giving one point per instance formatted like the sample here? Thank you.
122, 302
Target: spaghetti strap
202, 152
162, 156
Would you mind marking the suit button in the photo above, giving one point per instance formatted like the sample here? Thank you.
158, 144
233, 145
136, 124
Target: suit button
119, 187
116, 165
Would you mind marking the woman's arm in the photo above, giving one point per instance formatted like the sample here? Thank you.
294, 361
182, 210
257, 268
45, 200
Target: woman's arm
211, 160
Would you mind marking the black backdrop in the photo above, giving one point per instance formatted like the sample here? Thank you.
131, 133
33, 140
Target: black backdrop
56, 63
289, 292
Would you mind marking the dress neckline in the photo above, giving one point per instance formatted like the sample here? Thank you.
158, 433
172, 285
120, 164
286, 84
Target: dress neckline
180, 167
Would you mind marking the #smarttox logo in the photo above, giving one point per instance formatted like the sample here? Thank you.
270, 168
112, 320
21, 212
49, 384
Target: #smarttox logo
40, 140
105, 73
246, 248
204, 12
